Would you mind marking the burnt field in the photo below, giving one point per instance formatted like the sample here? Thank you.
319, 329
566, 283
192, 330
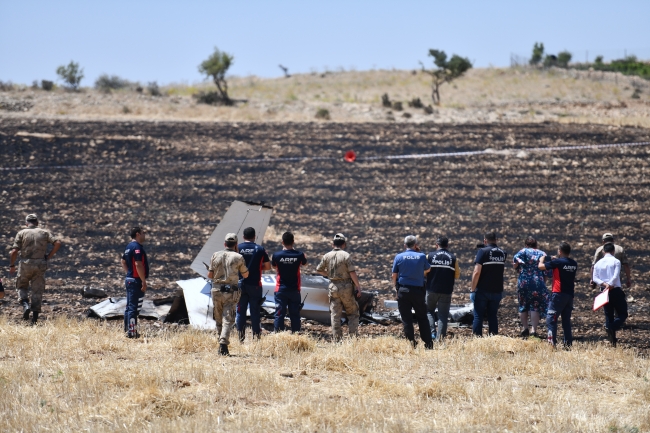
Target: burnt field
166, 177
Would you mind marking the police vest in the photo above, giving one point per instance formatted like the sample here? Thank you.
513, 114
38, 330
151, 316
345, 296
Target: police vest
443, 269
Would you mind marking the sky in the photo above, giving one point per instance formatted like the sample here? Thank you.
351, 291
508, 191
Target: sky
165, 41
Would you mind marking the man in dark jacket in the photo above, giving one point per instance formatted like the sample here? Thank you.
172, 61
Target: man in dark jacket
487, 282
440, 285
257, 261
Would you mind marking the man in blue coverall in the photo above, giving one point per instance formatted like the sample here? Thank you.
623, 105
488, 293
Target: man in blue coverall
136, 266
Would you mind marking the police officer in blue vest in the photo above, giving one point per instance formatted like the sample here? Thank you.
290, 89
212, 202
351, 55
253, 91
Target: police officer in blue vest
257, 260
440, 285
487, 284
409, 271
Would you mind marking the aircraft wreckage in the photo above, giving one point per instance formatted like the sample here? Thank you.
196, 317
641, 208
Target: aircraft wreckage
192, 304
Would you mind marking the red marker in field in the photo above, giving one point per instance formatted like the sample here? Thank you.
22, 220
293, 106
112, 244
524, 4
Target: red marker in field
350, 156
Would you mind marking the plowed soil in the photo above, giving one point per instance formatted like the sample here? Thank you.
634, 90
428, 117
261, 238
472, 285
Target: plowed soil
91, 181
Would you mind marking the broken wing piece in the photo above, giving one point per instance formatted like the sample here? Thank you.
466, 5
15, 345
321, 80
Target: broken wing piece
239, 216
198, 301
113, 308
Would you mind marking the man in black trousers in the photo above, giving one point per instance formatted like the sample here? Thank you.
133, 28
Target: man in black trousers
409, 271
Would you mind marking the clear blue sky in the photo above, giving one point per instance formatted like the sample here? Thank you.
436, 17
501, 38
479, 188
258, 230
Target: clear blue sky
165, 41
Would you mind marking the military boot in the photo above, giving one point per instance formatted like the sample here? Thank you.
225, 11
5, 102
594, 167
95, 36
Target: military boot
26, 310
223, 350
34, 317
242, 336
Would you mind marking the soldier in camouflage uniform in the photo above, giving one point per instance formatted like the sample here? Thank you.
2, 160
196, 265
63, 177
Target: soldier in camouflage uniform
339, 268
32, 244
225, 267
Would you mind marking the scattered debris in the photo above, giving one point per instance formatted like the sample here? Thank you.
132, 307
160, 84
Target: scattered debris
91, 292
458, 313
113, 308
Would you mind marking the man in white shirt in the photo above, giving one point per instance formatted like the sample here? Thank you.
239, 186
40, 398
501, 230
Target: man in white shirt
607, 274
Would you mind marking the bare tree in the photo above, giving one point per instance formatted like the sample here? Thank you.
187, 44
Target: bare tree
285, 70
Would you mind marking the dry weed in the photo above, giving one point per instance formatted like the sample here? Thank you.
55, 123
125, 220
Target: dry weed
283, 343
82, 375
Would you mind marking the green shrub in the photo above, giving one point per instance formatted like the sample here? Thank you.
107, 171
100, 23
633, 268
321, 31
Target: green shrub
71, 75
47, 85
563, 59
106, 83
416, 103
209, 98
6, 86
397, 106
385, 101
323, 113
153, 89
629, 65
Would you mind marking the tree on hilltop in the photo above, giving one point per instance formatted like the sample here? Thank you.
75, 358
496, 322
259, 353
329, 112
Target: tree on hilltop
215, 67
538, 54
71, 75
446, 71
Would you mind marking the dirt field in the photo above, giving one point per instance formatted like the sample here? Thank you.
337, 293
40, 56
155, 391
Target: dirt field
164, 176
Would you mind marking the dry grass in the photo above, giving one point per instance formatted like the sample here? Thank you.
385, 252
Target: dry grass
483, 95
70, 376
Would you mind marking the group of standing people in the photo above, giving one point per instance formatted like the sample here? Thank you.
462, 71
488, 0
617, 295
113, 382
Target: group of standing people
236, 274
424, 283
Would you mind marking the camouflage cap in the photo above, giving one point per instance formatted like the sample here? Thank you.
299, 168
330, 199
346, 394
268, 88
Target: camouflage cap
31, 217
231, 237
608, 236
340, 236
